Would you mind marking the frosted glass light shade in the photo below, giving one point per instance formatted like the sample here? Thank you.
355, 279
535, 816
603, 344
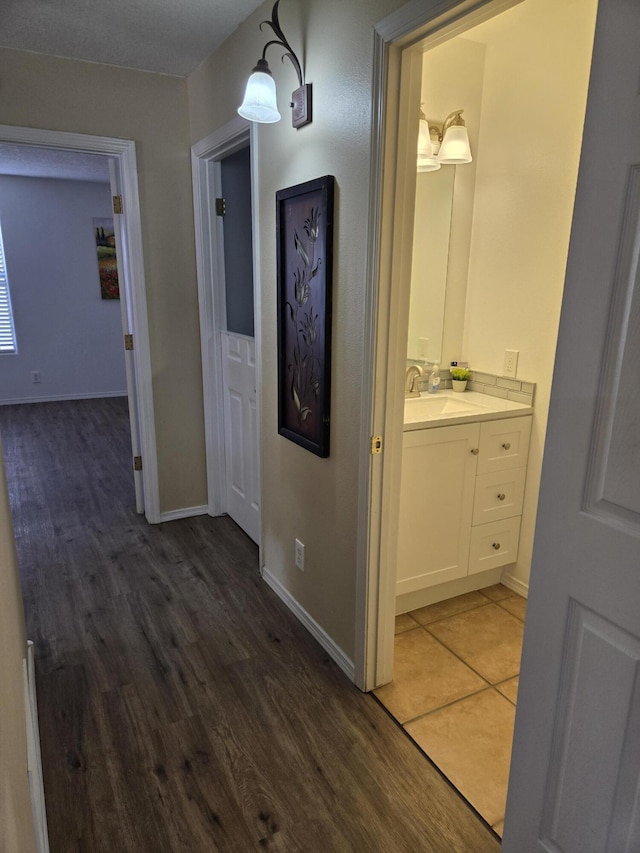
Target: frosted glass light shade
428, 164
426, 160
455, 146
259, 102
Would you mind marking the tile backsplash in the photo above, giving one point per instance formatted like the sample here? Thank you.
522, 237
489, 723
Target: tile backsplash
489, 383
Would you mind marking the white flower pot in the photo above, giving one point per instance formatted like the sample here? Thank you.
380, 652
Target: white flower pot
459, 384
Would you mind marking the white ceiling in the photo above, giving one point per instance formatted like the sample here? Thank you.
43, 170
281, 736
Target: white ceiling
165, 36
29, 161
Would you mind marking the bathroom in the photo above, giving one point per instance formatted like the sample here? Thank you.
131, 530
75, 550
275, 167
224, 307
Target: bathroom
489, 254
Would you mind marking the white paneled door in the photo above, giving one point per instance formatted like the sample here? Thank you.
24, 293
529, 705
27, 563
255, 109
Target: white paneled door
241, 432
575, 774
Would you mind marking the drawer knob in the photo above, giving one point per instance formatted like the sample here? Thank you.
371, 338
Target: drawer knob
496, 546
501, 496
475, 450
507, 445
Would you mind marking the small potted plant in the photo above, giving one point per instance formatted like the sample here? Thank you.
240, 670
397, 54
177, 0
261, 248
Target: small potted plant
459, 377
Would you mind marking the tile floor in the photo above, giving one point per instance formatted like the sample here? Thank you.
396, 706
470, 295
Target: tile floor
454, 689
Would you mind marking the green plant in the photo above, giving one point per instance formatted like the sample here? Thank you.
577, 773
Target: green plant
460, 373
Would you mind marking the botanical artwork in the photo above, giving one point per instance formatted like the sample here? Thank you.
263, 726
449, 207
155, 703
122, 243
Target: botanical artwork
305, 260
107, 264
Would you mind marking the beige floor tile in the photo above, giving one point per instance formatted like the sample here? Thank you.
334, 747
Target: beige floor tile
489, 639
470, 741
497, 592
509, 689
516, 605
425, 676
499, 828
433, 612
404, 622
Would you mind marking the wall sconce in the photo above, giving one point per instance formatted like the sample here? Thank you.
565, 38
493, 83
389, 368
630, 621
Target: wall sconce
426, 151
259, 102
449, 146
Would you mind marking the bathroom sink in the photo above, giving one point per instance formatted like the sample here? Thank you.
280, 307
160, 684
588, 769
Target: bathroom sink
447, 407
441, 403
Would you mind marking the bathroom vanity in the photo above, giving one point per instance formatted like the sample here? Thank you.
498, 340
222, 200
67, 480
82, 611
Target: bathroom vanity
464, 466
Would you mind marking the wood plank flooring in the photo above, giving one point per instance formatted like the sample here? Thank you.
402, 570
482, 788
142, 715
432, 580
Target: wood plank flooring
182, 707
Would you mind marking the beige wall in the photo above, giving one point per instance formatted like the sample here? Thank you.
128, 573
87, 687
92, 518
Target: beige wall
16, 823
83, 97
537, 63
304, 496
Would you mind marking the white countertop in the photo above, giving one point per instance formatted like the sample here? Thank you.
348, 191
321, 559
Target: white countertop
452, 407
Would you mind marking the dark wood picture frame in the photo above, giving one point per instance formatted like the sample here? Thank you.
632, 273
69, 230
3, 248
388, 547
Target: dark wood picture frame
304, 230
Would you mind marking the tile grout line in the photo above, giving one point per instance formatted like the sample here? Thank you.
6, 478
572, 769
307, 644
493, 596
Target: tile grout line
448, 704
457, 656
453, 615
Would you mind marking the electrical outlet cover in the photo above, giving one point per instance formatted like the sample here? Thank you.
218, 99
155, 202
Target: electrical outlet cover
511, 362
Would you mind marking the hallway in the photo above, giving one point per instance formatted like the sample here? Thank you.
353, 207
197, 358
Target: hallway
182, 707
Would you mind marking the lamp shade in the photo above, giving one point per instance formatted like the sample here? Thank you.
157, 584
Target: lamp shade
259, 102
428, 164
455, 146
426, 159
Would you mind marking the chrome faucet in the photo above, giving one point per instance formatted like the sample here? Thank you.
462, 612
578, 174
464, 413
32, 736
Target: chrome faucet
414, 373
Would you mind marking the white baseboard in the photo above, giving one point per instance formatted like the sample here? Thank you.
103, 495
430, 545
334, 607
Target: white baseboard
333, 650
185, 512
34, 759
58, 398
515, 584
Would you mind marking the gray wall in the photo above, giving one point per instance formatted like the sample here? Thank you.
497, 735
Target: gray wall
64, 329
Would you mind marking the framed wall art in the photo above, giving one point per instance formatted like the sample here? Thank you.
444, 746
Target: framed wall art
304, 229
107, 263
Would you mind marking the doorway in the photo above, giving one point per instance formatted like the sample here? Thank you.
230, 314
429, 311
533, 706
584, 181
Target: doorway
497, 251
497, 185
228, 294
124, 187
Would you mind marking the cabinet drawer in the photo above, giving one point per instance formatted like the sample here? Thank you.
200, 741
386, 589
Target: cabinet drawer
504, 444
494, 544
499, 495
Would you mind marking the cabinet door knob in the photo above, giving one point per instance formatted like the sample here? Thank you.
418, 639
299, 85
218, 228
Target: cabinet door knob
501, 496
475, 450
507, 445
496, 546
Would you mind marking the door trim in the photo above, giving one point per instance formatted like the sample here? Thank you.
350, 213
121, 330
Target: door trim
123, 152
205, 162
384, 348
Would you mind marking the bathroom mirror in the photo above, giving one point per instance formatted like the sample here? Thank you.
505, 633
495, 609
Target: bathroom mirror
430, 258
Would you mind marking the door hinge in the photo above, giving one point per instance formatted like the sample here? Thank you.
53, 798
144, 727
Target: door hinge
137, 463
221, 207
376, 444
117, 204
128, 342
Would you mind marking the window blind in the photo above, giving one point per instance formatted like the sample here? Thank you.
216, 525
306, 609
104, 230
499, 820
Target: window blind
7, 331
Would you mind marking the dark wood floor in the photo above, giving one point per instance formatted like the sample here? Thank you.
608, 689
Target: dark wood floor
182, 707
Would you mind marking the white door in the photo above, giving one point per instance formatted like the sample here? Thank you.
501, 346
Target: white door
238, 347
241, 431
575, 775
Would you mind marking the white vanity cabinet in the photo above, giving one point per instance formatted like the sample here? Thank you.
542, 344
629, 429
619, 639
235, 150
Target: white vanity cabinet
461, 500
436, 505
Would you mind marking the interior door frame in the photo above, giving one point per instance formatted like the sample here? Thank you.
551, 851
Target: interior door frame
122, 152
392, 191
206, 170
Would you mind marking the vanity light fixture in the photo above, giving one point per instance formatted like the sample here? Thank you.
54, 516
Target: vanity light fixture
447, 146
259, 102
